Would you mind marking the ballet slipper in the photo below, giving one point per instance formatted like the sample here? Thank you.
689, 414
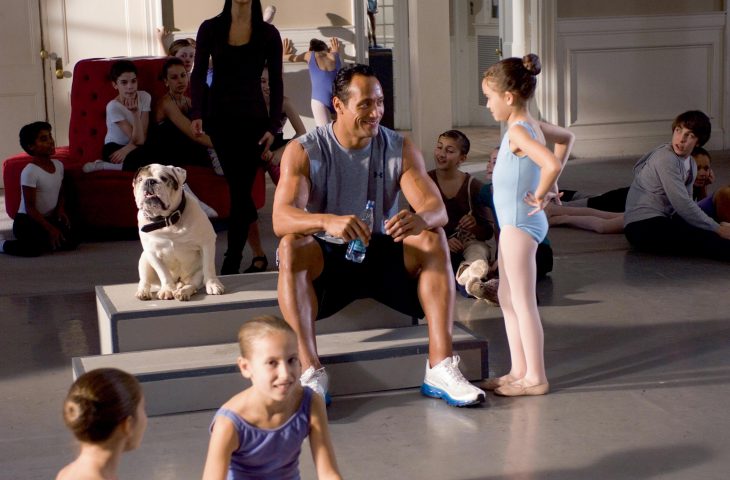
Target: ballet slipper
517, 390
494, 383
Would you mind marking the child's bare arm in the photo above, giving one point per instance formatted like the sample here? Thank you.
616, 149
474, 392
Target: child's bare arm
545, 159
183, 123
563, 139
223, 442
323, 453
289, 53
144, 120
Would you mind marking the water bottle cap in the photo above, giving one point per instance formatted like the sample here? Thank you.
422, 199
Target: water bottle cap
370, 204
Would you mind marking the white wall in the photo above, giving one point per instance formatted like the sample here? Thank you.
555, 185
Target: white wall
187, 14
603, 8
622, 80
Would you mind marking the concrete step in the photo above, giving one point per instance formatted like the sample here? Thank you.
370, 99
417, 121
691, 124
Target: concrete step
127, 324
198, 378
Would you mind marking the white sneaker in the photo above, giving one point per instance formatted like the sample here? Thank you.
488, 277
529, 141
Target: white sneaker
318, 381
95, 166
446, 381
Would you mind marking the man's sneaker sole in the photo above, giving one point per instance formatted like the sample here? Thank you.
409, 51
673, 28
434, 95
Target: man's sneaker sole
433, 392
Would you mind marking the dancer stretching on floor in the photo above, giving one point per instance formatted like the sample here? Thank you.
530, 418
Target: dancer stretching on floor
524, 183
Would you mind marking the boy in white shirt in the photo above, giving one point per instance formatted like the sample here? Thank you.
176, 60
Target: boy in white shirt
41, 223
127, 119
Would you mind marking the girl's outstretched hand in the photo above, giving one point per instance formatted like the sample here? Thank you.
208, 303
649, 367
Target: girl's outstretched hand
541, 203
334, 45
288, 46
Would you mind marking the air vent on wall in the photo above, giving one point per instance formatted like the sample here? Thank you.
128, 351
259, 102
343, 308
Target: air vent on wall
487, 47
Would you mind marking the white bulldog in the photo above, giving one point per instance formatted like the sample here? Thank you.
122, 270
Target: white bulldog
178, 240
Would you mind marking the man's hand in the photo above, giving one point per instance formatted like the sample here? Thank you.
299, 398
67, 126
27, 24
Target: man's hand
347, 227
403, 224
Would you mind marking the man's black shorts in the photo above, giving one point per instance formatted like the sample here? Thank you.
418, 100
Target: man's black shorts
381, 276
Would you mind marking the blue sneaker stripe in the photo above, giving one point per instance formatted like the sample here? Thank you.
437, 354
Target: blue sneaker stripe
434, 392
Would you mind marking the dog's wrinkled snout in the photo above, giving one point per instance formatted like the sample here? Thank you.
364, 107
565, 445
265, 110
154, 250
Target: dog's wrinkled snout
150, 184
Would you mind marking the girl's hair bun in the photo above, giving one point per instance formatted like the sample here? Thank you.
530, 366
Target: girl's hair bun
531, 62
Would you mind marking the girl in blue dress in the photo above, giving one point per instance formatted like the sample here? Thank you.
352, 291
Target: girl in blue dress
524, 183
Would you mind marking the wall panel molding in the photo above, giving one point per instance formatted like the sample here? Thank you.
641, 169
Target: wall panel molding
621, 80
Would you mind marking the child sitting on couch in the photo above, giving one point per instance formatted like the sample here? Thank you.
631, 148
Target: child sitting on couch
127, 119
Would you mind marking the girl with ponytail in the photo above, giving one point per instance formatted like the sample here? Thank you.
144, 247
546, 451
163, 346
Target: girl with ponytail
104, 409
524, 182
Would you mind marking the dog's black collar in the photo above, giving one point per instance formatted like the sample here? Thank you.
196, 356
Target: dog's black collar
162, 222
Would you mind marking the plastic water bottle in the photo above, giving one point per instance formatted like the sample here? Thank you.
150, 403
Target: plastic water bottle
356, 249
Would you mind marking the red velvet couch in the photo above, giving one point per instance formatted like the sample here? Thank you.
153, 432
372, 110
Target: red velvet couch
104, 199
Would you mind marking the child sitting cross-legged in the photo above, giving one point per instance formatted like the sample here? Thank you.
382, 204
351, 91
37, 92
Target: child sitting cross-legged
259, 432
41, 223
470, 227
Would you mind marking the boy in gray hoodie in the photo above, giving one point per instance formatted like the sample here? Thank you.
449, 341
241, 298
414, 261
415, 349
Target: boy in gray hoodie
660, 215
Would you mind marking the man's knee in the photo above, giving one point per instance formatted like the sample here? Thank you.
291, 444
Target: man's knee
430, 241
428, 247
290, 247
298, 252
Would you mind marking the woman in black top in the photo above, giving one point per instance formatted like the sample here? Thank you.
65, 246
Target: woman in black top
233, 109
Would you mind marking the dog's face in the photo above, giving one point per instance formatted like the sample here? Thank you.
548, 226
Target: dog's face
158, 189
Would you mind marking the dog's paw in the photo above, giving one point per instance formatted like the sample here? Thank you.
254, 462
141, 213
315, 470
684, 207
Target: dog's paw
165, 293
184, 293
214, 287
143, 294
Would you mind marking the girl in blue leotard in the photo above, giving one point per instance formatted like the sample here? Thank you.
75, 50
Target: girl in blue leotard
524, 182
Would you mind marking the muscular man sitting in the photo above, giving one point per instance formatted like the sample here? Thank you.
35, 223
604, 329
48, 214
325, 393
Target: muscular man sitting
327, 176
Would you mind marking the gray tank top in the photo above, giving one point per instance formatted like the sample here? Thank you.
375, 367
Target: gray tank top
343, 180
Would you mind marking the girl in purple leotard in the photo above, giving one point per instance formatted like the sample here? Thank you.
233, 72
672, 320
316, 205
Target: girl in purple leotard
323, 62
258, 433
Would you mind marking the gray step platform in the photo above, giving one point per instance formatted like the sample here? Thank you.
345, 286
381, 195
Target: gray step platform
127, 324
199, 378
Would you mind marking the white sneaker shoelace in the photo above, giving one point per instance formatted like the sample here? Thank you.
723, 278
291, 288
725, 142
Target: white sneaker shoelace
452, 369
